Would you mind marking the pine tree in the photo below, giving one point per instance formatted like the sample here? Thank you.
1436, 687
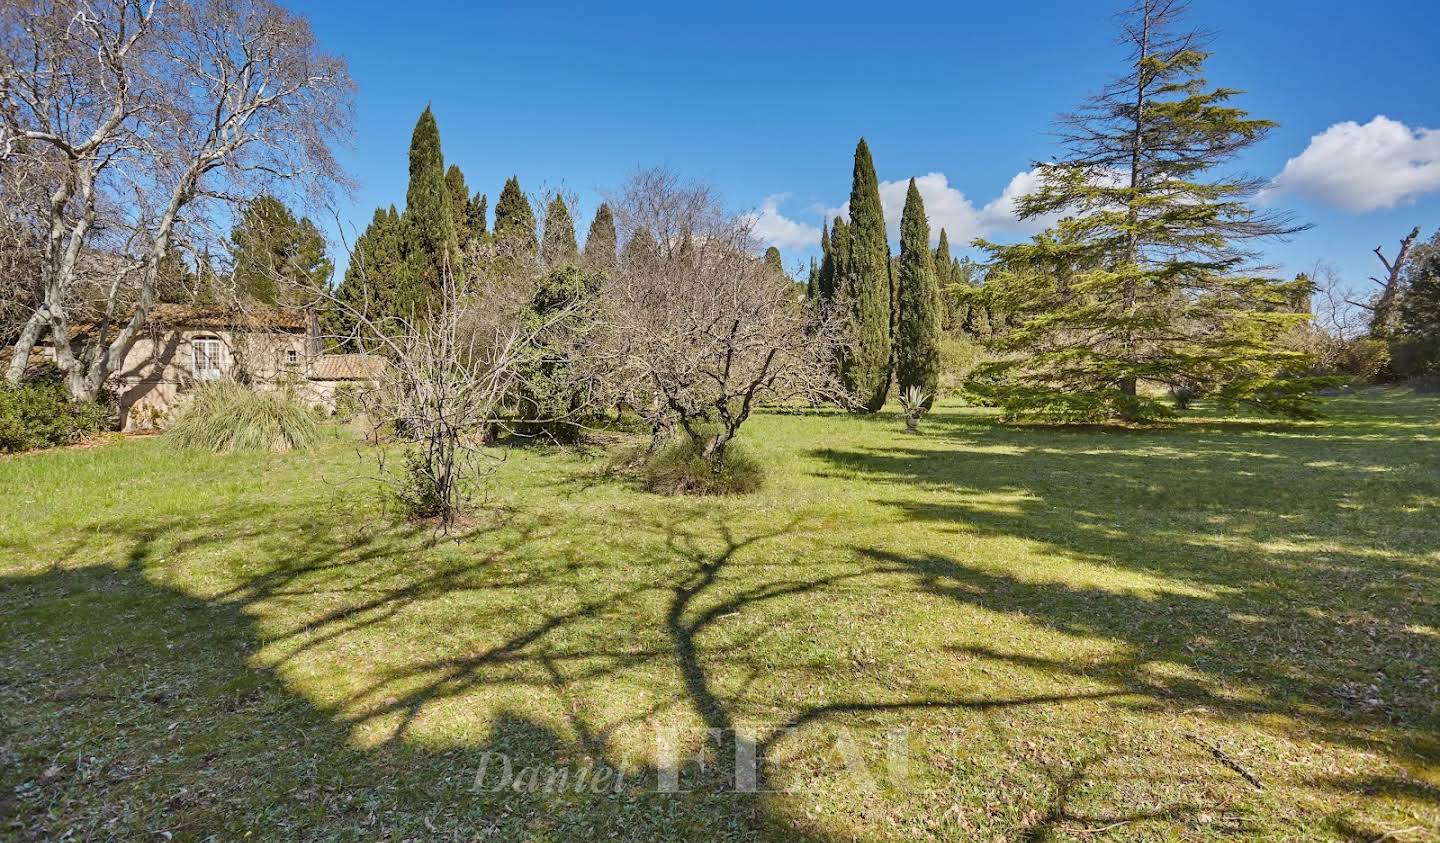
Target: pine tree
600, 240
1145, 279
515, 221
917, 338
434, 244
277, 257
560, 248
866, 287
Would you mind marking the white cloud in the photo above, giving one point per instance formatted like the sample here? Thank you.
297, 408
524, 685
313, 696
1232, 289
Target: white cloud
775, 229
949, 208
1364, 168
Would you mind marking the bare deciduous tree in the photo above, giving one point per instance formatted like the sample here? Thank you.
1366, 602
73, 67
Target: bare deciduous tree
139, 127
708, 331
1331, 310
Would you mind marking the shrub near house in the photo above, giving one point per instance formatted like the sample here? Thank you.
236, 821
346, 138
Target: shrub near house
38, 413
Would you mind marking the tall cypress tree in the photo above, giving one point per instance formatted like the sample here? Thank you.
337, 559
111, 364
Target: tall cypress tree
812, 281
825, 276
866, 286
945, 278
917, 338
459, 202
1145, 279
600, 240
559, 246
832, 283
774, 261
515, 220
944, 264
433, 241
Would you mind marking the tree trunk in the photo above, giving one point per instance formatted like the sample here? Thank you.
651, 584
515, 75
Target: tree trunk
714, 452
1386, 310
29, 335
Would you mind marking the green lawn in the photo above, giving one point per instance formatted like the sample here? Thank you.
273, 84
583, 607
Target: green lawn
1070, 634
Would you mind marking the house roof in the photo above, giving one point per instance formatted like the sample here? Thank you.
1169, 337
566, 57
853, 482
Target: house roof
214, 317
254, 317
348, 367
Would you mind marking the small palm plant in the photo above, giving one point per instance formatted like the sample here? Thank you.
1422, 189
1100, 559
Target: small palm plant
914, 400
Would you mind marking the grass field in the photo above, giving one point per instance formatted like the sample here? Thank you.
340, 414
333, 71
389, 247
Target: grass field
1219, 629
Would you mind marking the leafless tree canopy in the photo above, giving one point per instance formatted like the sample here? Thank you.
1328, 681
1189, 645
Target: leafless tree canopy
132, 129
706, 330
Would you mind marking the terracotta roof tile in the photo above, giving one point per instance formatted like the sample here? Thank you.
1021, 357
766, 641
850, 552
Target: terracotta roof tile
348, 367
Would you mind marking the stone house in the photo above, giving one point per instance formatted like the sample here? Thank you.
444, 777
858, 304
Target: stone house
266, 347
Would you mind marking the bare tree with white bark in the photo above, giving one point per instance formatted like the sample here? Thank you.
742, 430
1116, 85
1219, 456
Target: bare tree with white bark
138, 127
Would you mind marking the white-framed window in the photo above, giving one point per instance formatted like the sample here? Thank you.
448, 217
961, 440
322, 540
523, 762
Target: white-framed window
208, 361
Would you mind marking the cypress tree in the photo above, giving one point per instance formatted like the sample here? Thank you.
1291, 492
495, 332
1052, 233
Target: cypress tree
772, 260
427, 205
459, 202
560, 248
839, 261
600, 240
944, 264
825, 276
640, 249
866, 287
475, 215
377, 282
812, 281
514, 220
946, 272
917, 338
1144, 279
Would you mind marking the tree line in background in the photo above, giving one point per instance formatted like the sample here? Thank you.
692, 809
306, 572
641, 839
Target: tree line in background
1142, 296
669, 316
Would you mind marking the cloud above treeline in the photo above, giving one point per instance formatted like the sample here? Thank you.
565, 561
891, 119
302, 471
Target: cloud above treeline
1361, 168
946, 206
1354, 167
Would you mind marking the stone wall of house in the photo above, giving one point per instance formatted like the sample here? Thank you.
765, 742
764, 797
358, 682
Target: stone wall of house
160, 368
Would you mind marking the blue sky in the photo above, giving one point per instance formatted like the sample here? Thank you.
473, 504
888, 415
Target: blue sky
766, 101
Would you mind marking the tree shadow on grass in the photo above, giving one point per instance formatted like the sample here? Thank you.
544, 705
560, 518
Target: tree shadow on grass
1297, 564
133, 710
135, 705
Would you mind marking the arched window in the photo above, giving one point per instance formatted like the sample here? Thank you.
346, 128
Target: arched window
208, 358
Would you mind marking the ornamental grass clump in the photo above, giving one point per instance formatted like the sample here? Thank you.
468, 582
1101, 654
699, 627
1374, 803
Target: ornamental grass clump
226, 416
